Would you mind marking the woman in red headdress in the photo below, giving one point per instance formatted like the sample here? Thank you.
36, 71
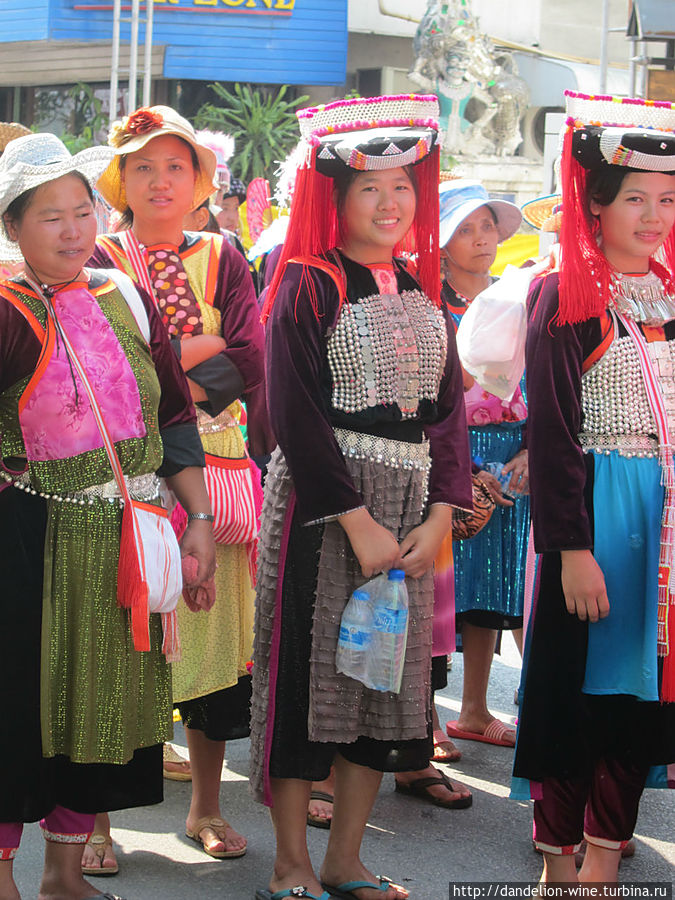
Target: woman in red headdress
365, 394
598, 712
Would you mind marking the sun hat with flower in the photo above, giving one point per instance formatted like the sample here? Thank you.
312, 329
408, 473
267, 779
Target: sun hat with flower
134, 131
34, 159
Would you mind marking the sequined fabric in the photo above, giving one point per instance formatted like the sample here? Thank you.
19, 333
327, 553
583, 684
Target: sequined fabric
218, 644
80, 614
490, 567
215, 646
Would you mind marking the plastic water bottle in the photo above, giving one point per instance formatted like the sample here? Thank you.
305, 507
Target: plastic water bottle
355, 638
504, 478
390, 634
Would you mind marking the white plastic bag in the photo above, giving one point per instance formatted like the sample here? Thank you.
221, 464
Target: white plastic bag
491, 334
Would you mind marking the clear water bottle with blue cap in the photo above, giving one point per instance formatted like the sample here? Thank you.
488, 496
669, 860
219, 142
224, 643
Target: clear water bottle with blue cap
356, 634
390, 633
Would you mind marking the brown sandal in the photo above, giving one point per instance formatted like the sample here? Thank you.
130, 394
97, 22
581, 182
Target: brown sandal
99, 843
214, 823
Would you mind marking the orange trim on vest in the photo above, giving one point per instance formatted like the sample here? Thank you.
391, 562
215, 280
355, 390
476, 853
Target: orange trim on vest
607, 327
44, 360
24, 310
117, 254
212, 268
329, 268
653, 333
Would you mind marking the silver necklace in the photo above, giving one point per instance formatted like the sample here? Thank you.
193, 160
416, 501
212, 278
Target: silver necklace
642, 298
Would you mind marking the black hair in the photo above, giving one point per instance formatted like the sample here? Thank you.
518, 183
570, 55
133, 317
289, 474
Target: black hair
493, 214
211, 223
604, 183
127, 218
17, 208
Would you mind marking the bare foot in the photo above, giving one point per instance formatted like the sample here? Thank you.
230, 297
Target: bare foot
217, 836
444, 749
288, 877
333, 877
320, 808
446, 791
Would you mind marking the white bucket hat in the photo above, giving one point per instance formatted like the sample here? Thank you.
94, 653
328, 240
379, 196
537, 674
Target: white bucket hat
461, 197
36, 159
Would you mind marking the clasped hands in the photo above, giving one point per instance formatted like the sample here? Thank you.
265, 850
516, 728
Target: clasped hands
377, 550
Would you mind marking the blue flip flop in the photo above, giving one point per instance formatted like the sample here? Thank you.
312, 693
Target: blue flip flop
298, 891
345, 891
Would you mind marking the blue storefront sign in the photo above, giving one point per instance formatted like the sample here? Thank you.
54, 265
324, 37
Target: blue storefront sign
264, 41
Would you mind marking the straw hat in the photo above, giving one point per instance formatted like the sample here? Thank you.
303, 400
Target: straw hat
133, 132
543, 213
35, 159
458, 199
9, 131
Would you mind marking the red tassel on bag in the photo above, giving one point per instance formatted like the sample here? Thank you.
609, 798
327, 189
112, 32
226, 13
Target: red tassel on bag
171, 644
132, 589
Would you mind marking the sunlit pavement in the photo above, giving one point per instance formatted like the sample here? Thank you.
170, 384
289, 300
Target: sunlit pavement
419, 845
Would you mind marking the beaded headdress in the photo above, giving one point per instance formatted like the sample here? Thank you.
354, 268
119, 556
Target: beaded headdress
364, 134
606, 131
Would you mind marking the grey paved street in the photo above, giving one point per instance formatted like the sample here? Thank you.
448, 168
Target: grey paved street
421, 846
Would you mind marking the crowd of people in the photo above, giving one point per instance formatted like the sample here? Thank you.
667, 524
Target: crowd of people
280, 440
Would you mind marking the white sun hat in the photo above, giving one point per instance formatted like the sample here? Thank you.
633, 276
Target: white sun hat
35, 159
460, 197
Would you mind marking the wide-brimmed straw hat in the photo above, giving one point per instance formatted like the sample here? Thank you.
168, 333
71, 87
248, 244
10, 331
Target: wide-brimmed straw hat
543, 213
32, 160
9, 131
458, 199
133, 132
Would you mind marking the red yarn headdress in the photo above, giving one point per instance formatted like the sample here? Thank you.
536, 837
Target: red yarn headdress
585, 273
314, 226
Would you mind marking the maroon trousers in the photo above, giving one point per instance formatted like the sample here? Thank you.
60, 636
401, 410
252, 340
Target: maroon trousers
602, 808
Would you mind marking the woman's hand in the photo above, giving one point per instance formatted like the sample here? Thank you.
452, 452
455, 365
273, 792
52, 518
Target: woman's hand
421, 545
375, 547
584, 585
190, 489
520, 482
494, 487
198, 541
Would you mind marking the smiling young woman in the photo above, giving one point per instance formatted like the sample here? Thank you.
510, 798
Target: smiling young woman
600, 679
362, 368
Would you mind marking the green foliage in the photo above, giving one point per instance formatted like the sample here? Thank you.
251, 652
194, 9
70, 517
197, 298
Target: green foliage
78, 110
261, 122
